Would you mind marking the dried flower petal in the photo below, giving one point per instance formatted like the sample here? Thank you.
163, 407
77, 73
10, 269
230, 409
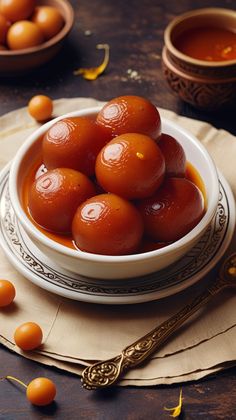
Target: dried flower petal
93, 72
176, 410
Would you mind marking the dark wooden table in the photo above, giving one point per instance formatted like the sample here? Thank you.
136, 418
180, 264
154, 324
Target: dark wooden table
134, 31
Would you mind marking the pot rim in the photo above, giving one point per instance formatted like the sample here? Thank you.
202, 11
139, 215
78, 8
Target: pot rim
192, 77
213, 11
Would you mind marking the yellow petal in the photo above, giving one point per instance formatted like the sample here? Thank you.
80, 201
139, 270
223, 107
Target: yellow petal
176, 411
92, 73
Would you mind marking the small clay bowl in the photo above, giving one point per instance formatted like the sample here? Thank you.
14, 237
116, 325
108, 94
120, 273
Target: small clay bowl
207, 85
17, 62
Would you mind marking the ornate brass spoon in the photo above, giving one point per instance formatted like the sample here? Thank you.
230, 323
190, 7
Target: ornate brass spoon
106, 373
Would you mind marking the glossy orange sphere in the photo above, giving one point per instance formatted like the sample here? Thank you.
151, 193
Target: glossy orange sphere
130, 114
7, 293
55, 196
49, 20
107, 224
130, 165
41, 391
15, 10
40, 107
24, 34
28, 336
73, 143
173, 211
174, 155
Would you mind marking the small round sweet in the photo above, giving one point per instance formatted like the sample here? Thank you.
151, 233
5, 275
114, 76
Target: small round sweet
107, 224
55, 196
41, 391
49, 19
131, 165
7, 293
15, 10
24, 34
73, 143
40, 107
173, 211
28, 336
130, 114
4, 26
174, 155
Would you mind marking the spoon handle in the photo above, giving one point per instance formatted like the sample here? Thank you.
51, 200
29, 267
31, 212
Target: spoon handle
105, 373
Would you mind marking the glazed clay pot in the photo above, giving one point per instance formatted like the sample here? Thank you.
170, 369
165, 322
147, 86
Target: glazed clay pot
205, 84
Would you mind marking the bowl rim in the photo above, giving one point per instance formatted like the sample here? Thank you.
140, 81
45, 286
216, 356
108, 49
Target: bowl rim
193, 77
52, 41
76, 253
185, 16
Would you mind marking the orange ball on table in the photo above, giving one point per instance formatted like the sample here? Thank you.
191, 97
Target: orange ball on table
28, 336
49, 19
107, 224
24, 34
130, 114
131, 165
55, 196
40, 107
41, 391
7, 293
73, 143
15, 10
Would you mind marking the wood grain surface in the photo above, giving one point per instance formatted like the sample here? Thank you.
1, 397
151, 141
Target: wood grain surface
134, 31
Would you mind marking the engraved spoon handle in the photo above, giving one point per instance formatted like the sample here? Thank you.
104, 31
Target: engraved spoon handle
105, 373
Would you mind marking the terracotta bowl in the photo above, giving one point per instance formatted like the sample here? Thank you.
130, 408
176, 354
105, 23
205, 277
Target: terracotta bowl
105, 266
205, 84
21, 61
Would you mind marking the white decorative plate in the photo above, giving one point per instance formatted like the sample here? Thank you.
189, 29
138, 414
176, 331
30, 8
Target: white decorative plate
42, 271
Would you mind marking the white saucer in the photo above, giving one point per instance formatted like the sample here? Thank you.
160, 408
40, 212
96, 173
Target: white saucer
42, 271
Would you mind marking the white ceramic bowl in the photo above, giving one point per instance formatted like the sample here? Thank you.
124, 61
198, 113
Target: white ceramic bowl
114, 267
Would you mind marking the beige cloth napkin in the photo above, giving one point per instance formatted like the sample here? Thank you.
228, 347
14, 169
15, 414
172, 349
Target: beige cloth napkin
76, 333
